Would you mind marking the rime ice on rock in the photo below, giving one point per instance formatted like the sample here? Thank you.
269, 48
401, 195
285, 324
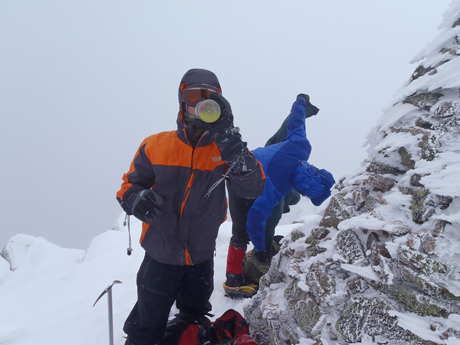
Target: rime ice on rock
386, 253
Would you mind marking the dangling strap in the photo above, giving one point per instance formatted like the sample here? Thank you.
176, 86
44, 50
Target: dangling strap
220, 180
130, 249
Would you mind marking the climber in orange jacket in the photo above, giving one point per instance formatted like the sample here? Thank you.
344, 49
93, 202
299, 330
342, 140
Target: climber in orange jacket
174, 187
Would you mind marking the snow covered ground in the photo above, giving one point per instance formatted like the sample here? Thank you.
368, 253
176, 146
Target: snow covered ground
48, 298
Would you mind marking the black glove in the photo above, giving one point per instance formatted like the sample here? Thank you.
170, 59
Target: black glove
311, 109
225, 121
145, 205
263, 257
225, 135
304, 96
262, 261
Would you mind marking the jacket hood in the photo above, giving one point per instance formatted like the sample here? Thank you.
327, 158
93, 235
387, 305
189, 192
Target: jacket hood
199, 76
192, 77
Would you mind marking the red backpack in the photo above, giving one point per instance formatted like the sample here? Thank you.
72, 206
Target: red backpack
229, 329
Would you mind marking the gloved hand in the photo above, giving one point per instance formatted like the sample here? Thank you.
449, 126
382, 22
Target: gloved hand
311, 109
223, 124
225, 135
225, 121
262, 261
327, 180
146, 205
304, 96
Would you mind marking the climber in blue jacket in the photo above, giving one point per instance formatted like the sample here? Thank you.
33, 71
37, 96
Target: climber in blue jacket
287, 170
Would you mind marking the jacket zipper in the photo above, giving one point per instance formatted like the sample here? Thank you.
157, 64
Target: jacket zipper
188, 259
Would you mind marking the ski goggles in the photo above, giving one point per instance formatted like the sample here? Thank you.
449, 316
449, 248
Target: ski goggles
192, 94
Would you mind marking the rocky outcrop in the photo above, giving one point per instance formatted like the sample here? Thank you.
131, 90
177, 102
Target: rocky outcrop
383, 263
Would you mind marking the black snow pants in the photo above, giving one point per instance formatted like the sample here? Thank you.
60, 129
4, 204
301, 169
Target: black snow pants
158, 287
239, 209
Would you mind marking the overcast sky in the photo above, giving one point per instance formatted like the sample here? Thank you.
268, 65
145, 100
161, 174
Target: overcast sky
82, 83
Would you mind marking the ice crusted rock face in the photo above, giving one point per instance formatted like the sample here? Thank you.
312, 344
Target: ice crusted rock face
383, 264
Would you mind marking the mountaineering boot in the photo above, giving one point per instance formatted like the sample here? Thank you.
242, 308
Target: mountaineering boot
236, 287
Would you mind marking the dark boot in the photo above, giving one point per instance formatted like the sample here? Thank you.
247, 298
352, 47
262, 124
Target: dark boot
236, 287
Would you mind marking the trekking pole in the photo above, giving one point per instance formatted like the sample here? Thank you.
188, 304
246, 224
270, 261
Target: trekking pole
108, 290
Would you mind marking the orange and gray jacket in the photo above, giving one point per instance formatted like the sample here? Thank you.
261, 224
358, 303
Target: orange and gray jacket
186, 232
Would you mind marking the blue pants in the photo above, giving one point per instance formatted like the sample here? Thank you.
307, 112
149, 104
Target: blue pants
158, 287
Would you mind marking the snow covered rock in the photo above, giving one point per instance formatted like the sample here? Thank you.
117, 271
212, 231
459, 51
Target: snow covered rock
38, 253
16, 249
383, 262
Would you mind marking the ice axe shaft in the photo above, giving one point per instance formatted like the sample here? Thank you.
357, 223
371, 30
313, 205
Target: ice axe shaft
108, 290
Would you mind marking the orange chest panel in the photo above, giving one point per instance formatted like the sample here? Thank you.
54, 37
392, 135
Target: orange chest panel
168, 150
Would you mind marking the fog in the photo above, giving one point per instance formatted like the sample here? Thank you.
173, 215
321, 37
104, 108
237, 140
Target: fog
84, 82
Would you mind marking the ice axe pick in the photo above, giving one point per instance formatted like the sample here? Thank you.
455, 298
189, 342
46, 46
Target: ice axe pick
108, 290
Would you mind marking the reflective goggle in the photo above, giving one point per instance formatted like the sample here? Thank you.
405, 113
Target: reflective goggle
192, 94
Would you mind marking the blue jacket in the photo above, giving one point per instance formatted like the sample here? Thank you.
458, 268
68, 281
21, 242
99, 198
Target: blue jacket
286, 167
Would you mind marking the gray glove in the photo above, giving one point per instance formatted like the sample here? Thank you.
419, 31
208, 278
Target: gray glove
146, 205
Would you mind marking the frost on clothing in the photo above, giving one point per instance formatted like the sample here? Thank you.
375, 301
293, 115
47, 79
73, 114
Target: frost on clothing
286, 167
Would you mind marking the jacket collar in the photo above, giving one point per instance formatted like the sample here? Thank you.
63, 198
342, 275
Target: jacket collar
185, 132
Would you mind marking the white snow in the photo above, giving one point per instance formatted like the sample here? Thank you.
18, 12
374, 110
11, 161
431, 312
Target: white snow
48, 298
421, 325
365, 221
365, 271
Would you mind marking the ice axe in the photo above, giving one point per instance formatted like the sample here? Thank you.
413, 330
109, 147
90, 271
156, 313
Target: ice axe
108, 290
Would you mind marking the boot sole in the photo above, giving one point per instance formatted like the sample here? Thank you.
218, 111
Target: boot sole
240, 292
